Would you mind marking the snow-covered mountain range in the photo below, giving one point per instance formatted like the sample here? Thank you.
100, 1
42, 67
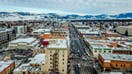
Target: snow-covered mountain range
15, 16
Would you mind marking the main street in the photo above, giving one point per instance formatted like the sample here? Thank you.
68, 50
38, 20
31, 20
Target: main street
81, 60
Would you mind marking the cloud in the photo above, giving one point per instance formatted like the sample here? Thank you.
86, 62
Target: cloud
71, 6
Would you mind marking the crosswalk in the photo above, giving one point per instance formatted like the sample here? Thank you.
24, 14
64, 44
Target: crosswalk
87, 68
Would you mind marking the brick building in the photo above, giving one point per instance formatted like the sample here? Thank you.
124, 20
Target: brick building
6, 67
111, 61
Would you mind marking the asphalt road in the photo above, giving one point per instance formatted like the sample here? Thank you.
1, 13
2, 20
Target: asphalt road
81, 61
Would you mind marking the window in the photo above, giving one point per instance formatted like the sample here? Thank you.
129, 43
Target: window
63, 51
131, 65
104, 51
121, 65
63, 63
62, 69
109, 51
51, 67
63, 59
124, 65
116, 65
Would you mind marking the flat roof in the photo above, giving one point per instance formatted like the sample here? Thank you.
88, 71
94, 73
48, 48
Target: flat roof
118, 57
42, 30
58, 43
122, 48
5, 30
116, 73
126, 26
38, 59
100, 46
89, 31
26, 67
39, 30
97, 41
112, 73
24, 40
117, 38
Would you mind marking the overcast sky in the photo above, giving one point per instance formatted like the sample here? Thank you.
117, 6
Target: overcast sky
68, 6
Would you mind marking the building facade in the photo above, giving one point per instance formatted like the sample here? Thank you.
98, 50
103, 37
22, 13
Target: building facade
126, 30
20, 30
56, 51
6, 35
6, 67
115, 61
57, 57
23, 43
35, 66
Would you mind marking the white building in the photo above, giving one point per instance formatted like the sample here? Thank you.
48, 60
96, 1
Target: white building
6, 35
57, 55
99, 46
35, 66
20, 29
123, 29
41, 31
23, 43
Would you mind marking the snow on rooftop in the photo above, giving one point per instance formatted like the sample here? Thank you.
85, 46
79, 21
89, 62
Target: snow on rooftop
122, 49
112, 73
58, 43
42, 31
39, 30
5, 29
126, 26
4, 65
128, 43
23, 67
26, 67
89, 31
100, 46
38, 59
117, 38
121, 57
24, 40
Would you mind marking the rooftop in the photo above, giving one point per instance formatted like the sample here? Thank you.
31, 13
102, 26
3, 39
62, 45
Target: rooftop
4, 65
112, 73
119, 57
5, 29
121, 49
126, 26
89, 31
118, 38
42, 30
38, 59
57, 43
24, 40
100, 46
26, 67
